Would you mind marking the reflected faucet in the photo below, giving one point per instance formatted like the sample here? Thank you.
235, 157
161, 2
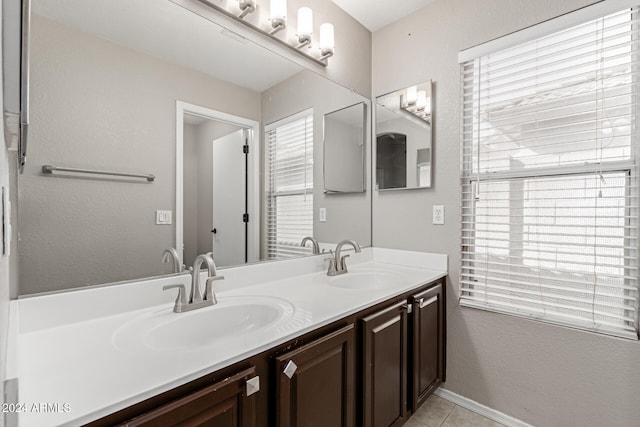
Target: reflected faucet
171, 254
316, 246
338, 264
196, 298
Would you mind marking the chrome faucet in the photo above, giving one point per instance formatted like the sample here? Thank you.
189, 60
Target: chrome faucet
316, 246
172, 255
338, 264
196, 298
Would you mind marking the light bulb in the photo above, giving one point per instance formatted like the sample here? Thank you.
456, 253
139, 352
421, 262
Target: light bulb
421, 100
305, 21
327, 41
278, 9
412, 95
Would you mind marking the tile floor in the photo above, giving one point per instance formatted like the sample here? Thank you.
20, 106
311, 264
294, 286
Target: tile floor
438, 412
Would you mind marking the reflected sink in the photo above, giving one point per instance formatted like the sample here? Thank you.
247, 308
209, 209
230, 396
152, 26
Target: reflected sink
364, 280
231, 319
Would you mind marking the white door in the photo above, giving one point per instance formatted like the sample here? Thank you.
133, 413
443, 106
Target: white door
228, 230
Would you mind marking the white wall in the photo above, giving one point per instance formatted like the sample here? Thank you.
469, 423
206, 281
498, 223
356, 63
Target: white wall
545, 375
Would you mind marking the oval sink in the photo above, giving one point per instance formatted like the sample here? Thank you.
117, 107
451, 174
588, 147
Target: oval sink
365, 280
230, 319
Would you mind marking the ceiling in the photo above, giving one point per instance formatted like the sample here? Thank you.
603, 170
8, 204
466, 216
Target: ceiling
171, 33
375, 14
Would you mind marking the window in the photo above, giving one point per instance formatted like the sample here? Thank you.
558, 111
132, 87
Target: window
550, 198
289, 185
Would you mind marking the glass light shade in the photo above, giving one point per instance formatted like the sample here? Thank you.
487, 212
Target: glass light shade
421, 100
412, 95
326, 36
305, 21
278, 9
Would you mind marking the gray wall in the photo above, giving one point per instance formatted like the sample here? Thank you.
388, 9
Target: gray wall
542, 374
76, 78
348, 215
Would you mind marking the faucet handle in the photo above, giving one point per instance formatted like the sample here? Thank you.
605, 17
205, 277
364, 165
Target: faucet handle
209, 295
181, 299
343, 262
332, 266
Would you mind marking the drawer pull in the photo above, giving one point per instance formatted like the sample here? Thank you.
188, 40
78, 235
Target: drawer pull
422, 303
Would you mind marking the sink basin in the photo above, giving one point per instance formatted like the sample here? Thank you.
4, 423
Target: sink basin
365, 280
232, 318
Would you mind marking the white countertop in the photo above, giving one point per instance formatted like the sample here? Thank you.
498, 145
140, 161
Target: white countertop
69, 348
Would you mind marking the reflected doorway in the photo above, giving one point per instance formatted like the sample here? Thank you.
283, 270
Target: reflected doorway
217, 193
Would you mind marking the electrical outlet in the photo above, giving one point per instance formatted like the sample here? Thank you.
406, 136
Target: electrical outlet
438, 214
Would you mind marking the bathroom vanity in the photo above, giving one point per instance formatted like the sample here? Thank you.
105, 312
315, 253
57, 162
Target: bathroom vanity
290, 345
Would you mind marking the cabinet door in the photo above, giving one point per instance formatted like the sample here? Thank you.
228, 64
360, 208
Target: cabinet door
315, 383
385, 367
428, 353
223, 404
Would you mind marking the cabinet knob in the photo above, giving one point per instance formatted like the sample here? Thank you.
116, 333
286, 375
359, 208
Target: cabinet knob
290, 369
253, 385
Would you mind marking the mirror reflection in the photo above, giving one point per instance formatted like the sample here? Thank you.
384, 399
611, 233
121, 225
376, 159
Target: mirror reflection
138, 87
344, 149
404, 138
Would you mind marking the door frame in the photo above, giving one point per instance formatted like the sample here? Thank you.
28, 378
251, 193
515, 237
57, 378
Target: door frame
253, 237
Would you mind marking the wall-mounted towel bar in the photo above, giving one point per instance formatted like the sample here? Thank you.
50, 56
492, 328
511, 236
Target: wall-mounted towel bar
49, 169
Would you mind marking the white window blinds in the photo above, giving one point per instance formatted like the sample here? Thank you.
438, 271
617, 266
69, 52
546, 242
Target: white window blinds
550, 205
289, 185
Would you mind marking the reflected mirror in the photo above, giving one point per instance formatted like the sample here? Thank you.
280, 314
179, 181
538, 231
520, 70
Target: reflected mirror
404, 138
344, 149
138, 87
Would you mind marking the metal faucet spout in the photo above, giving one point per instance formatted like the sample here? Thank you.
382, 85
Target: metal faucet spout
338, 265
171, 254
314, 242
196, 293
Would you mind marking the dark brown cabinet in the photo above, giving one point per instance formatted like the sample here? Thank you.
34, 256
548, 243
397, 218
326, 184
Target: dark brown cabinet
315, 383
428, 362
384, 379
223, 404
403, 357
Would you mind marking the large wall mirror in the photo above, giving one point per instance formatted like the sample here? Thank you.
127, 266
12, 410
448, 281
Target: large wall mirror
152, 88
404, 138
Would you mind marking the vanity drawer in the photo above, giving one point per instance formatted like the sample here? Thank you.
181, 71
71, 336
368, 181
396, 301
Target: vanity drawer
223, 404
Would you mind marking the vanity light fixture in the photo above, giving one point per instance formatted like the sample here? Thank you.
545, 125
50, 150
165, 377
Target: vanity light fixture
327, 41
278, 13
416, 103
305, 26
247, 7
278, 18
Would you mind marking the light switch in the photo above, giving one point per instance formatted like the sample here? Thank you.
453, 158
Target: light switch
438, 214
163, 218
322, 213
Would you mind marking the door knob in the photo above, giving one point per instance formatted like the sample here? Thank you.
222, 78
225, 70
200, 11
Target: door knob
214, 231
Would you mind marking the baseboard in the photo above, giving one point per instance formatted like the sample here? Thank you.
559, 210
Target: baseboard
478, 408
